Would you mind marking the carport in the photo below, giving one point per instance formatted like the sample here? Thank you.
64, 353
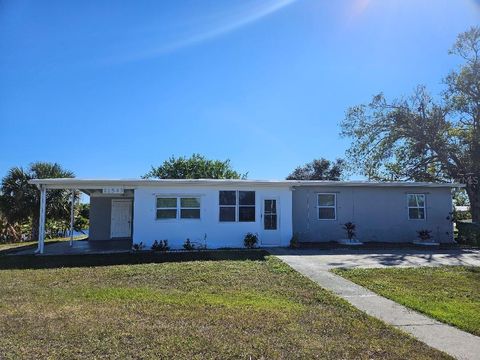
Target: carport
118, 197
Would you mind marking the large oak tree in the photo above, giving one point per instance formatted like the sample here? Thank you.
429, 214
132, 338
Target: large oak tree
194, 167
319, 169
417, 138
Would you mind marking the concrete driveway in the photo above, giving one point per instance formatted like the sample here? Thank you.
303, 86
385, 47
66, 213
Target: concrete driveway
315, 263
328, 259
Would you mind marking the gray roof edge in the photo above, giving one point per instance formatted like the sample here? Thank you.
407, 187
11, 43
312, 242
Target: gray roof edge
70, 182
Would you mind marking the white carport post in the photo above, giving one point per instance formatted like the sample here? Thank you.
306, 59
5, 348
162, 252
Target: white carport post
41, 223
72, 217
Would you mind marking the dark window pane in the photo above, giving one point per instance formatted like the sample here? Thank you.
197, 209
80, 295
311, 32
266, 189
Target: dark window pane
271, 206
190, 202
190, 213
416, 200
326, 199
421, 200
412, 200
228, 198
227, 213
326, 213
416, 214
166, 214
270, 222
413, 213
421, 213
246, 197
246, 213
166, 202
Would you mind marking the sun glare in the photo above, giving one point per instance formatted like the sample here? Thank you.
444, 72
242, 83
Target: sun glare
358, 7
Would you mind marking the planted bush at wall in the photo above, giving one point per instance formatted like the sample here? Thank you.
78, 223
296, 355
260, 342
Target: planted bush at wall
250, 240
468, 233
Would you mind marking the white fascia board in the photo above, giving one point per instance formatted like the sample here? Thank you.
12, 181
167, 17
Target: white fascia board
74, 183
377, 184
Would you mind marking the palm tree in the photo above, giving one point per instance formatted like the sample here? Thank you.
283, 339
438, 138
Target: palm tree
21, 201
8, 231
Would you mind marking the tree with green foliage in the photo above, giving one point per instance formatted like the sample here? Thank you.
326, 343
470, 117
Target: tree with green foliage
417, 138
21, 200
9, 232
194, 167
319, 169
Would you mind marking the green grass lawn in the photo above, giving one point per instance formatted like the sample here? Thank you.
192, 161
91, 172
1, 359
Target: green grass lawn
189, 310
450, 294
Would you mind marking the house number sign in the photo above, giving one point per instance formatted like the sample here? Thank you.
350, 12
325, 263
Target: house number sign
112, 190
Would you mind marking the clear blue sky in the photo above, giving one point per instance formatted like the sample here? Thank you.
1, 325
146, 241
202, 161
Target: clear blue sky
108, 88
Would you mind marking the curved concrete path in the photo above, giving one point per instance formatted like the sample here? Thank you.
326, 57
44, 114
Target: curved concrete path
315, 264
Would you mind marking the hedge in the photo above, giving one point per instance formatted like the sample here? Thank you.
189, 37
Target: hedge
468, 233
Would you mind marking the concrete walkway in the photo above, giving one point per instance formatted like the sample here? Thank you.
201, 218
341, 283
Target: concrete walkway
315, 264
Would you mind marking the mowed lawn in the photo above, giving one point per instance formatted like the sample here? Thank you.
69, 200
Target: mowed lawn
190, 310
450, 294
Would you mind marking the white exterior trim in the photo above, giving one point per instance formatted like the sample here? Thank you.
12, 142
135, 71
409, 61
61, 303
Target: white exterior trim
42, 219
74, 183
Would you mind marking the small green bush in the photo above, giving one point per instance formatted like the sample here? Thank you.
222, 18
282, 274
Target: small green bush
161, 245
468, 233
139, 246
188, 245
294, 241
349, 228
462, 215
250, 241
424, 235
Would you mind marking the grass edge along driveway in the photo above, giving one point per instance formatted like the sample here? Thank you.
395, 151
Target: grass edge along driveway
450, 294
195, 310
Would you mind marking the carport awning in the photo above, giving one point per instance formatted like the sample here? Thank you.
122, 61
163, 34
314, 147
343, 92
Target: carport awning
88, 187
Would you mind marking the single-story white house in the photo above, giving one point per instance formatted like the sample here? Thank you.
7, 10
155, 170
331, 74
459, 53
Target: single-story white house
219, 213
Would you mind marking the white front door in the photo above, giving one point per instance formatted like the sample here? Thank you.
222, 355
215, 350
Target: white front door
270, 222
121, 221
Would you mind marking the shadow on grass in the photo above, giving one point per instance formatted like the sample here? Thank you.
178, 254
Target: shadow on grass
86, 260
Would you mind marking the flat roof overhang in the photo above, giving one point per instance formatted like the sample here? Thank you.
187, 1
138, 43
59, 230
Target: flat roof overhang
75, 183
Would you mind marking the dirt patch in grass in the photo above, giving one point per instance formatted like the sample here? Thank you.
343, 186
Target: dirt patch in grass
450, 294
189, 310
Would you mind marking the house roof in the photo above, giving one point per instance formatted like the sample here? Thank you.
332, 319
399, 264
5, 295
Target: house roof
75, 183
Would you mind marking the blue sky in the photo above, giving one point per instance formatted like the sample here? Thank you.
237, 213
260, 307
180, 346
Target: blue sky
109, 88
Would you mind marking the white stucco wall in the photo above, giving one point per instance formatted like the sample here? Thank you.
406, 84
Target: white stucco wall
147, 229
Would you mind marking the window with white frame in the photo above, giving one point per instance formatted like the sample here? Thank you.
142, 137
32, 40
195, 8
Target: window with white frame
178, 208
416, 206
246, 206
166, 208
236, 206
228, 206
327, 206
190, 208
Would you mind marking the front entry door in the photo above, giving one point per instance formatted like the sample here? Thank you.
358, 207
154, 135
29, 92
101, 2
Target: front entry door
121, 222
271, 228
